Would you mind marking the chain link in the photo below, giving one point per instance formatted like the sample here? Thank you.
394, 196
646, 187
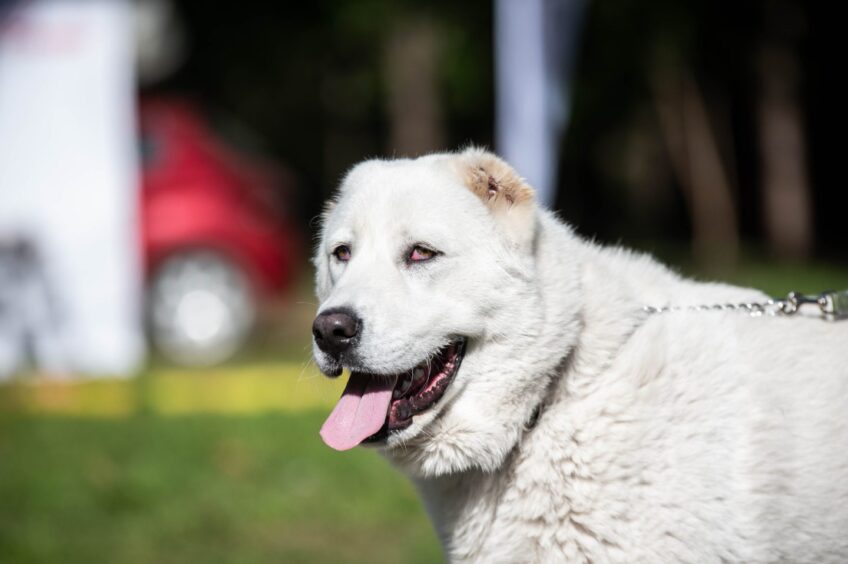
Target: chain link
831, 304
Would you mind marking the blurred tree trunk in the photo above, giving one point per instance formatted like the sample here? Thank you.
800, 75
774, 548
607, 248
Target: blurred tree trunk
414, 105
695, 157
786, 206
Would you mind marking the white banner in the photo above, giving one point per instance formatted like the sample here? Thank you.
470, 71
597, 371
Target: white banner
69, 186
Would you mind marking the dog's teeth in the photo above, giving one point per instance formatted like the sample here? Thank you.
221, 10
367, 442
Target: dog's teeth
418, 374
403, 386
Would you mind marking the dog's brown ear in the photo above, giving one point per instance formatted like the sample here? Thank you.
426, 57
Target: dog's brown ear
509, 198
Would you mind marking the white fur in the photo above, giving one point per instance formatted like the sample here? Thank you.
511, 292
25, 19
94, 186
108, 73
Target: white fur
676, 437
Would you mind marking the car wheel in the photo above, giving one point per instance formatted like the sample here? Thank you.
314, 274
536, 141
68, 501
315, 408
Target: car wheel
201, 308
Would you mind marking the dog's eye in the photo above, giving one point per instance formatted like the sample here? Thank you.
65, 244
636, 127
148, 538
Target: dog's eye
342, 253
421, 254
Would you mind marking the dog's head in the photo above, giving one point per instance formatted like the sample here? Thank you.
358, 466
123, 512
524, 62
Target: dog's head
426, 273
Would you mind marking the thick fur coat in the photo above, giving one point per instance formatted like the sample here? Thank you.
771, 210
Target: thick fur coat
579, 427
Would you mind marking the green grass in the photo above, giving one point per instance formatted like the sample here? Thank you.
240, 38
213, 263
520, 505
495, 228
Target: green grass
199, 488
757, 271
779, 280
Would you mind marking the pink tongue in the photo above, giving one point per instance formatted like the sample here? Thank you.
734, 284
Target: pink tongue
361, 411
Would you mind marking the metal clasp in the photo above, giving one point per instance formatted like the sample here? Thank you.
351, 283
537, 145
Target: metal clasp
833, 305
793, 302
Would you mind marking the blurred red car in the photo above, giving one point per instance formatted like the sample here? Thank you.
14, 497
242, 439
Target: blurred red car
217, 233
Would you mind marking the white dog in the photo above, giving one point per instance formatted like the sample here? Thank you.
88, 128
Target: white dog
513, 371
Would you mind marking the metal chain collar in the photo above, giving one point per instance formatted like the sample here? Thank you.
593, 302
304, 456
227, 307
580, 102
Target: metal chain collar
832, 305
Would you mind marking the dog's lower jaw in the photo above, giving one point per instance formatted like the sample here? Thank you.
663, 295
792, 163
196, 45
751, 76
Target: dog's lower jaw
456, 452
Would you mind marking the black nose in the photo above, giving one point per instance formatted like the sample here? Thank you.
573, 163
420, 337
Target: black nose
335, 330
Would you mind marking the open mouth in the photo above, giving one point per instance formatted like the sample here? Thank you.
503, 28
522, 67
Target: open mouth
374, 405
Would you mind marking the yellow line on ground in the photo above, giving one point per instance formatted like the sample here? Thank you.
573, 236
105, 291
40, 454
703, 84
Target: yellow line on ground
245, 389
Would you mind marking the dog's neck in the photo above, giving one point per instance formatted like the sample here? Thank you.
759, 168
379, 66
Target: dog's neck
609, 287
